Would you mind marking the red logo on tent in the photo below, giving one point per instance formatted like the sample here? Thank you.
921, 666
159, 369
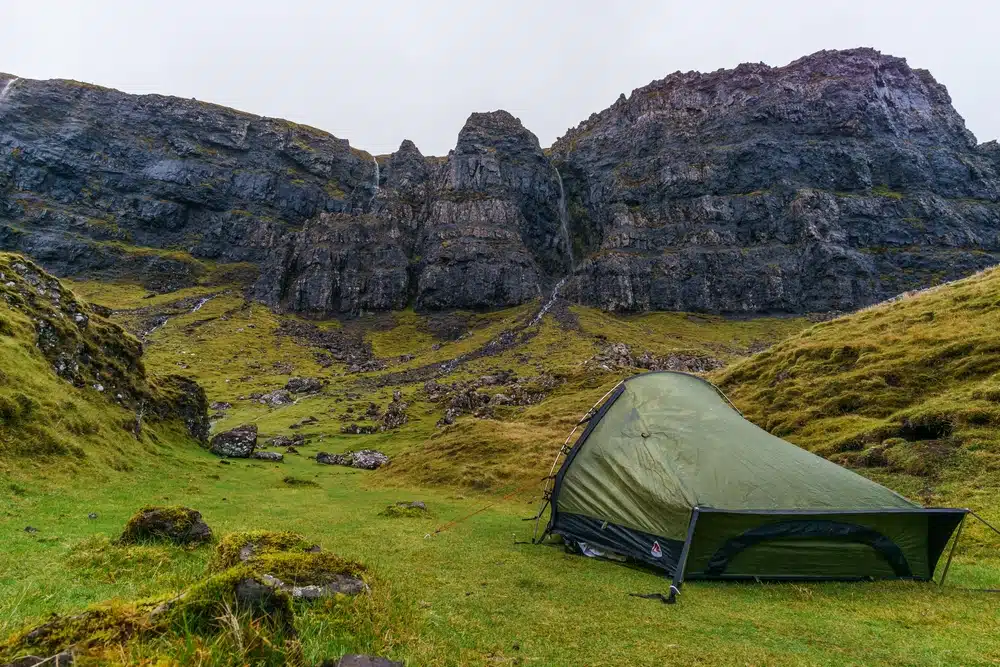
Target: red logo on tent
656, 551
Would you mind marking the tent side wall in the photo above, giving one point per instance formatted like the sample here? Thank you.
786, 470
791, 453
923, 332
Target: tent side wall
815, 545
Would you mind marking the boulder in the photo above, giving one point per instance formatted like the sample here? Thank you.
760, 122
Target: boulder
277, 457
180, 525
299, 385
237, 443
219, 405
359, 429
366, 459
395, 413
276, 398
287, 441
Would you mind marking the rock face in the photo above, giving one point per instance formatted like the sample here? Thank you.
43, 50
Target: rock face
835, 181
237, 443
838, 180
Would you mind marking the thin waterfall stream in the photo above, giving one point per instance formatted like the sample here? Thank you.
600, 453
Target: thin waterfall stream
6, 88
375, 194
564, 222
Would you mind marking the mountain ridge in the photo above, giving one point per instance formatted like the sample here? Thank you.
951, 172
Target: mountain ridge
829, 183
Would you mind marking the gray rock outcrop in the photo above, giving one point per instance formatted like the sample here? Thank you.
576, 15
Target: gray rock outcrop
365, 459
237, 443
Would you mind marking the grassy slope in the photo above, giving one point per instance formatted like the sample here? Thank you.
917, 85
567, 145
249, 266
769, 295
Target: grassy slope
467, 595
43, 418
908, 392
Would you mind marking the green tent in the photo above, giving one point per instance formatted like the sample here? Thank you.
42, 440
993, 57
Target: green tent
667, 472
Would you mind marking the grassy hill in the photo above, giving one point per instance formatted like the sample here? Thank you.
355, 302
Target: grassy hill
470, 595
907, 392
73, 385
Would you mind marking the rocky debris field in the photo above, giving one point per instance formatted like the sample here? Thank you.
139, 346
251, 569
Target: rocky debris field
619, 356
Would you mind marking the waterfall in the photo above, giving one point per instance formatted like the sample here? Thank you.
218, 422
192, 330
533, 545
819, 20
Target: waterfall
548, 304
564, 223
202, 302
6, 89
375, 194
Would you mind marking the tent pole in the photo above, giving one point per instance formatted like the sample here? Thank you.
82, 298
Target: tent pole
678, 581
951, 553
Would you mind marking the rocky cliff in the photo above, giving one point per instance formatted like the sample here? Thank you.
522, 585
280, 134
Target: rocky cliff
835, 181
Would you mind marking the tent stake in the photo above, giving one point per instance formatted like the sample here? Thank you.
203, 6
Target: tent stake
678, 581
951, 553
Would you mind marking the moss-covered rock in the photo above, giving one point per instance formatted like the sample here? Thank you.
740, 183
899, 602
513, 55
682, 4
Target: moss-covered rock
247, 590
405, 510
180, 525
240, 547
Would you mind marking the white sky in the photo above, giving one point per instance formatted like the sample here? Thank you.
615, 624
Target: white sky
380, 72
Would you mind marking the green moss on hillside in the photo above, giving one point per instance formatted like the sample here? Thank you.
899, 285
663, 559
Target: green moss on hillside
71, 382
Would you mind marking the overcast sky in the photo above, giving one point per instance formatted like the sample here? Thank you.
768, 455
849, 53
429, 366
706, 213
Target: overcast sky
380, 72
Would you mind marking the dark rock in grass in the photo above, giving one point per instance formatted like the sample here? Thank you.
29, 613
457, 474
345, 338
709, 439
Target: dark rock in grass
220, 405
64, 659
354, 660
277, 457
92, 516
295, 481
304, 422
359, 429
287, 441
304, 385
366, 459
180, 525
30, 529
275, 398
237, 443
405, 509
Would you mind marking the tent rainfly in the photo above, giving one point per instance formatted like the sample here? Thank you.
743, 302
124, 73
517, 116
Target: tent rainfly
668, 473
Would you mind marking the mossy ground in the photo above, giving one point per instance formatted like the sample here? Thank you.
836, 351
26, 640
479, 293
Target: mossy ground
468, 595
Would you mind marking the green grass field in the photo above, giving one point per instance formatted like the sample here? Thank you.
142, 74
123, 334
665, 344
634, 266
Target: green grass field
469, 595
